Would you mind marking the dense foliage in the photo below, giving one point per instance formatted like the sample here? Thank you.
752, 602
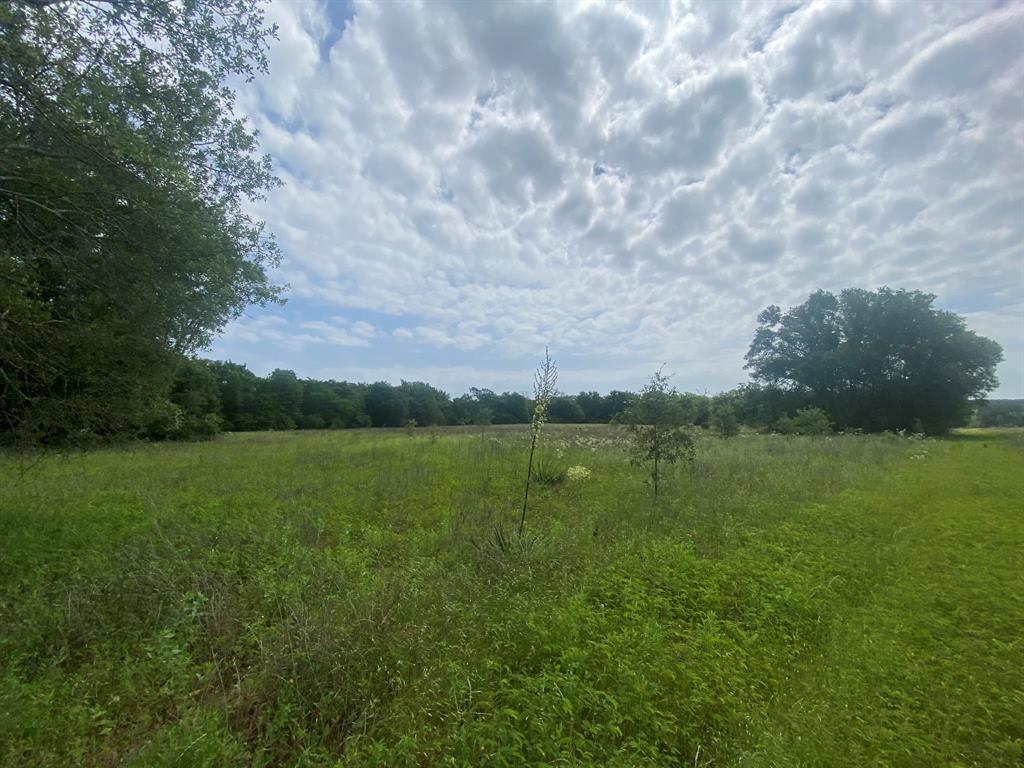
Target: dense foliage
124, 173
875, 360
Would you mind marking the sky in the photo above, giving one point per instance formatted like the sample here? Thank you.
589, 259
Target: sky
628, 184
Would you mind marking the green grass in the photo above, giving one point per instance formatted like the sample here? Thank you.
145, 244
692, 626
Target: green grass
355, 599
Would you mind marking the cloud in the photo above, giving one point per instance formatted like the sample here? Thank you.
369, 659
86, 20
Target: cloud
907, 134
275, 329
971, 56
629, 183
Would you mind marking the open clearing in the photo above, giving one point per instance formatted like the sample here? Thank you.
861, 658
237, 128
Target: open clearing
343, 598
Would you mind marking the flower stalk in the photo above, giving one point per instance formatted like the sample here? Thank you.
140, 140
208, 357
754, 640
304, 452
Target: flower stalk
544, 380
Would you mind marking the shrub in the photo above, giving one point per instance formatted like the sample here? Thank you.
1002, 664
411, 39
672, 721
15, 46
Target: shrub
806, 421
723, 419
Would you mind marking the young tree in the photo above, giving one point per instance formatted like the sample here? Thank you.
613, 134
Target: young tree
657, 424
124, 179
877, 360
544, 381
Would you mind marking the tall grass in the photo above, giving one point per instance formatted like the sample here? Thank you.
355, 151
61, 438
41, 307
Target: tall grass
309, 599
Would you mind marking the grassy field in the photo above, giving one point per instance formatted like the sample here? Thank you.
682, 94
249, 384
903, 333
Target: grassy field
350, 599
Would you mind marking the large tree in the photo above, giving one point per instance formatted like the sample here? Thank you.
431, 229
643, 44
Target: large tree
885, 359
387, 406
124, 176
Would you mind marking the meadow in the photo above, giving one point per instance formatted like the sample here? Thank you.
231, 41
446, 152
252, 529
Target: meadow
359, 598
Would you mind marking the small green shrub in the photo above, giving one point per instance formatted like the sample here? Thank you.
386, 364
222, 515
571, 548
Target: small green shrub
806, 421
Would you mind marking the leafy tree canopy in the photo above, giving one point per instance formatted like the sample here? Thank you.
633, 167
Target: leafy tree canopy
885, 359
124, 172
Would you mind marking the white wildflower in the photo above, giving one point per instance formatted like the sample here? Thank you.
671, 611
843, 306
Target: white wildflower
578, 472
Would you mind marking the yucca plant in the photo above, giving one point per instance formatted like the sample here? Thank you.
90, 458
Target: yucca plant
544, 380
547, 472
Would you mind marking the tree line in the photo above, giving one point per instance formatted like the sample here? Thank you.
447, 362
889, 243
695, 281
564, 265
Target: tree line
999, 413
207, 396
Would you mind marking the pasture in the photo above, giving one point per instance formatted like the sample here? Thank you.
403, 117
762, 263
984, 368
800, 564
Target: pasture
360, 599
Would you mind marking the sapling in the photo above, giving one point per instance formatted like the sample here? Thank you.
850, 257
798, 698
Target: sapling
657, 424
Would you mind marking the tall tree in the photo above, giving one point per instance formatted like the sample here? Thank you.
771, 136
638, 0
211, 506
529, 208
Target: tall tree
124, 174
386, 406
427, 404
885, 359
285, 393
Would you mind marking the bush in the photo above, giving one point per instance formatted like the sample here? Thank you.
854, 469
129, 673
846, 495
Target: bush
723, 420
164, 421
806, 421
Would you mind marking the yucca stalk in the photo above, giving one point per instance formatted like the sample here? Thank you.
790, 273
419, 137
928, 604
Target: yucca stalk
544, 380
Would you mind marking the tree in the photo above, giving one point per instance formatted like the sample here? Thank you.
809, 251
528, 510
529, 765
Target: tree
427, 404
124, 176
482, 406
616, 402
196, 392
876, 360
593, 407
331, 405
698, 407
239, 391
565, 410
657, 424
512, 408
386, 406
285, 394
722, 416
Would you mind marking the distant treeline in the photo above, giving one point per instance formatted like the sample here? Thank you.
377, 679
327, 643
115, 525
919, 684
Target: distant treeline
210, 396
999, 413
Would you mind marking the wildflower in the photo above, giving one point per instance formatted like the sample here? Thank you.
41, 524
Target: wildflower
578, 472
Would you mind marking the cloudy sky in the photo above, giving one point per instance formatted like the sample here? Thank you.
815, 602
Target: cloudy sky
628, 183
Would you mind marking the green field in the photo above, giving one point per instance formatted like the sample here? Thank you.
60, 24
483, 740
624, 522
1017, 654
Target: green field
357, 599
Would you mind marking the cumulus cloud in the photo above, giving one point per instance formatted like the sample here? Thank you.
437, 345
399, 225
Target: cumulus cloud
629, 183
